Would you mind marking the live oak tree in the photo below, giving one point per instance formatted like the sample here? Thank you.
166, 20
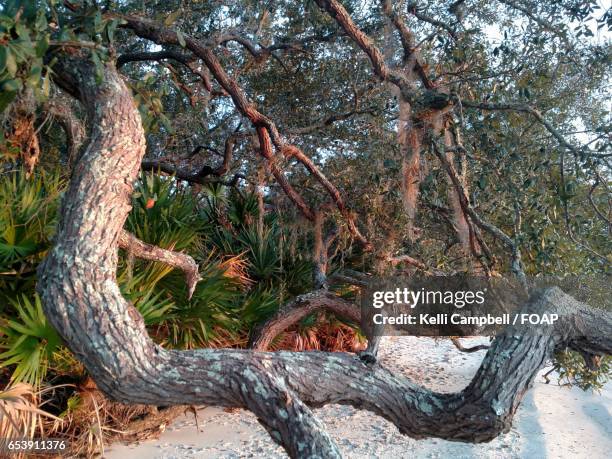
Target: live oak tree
394, 131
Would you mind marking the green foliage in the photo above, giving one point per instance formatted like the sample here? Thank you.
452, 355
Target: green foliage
261, 303
164, 214
262, 252
29, 32
154, 306
573, 371
28, 342
28, 214
213, 307
242, 276
148, 94
233, 229
25, 37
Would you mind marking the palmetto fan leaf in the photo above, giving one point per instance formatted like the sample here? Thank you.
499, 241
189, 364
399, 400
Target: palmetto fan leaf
262, 252
28, 341
28, 211
163, 214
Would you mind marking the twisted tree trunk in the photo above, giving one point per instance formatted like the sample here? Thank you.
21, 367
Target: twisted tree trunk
78, 287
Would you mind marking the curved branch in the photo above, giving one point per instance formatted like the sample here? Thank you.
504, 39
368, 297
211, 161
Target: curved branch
413, 9
339, 13
72, 126
185, 59
599, 213
228, 152
469, 350
291, 313
154, 56
408, 260
144, 251
257, 50
200, 178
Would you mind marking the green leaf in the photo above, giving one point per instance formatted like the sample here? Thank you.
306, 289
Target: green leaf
34, 77
41, 20
6, 97
165, 122
11, 64
172, 17
181, 38
42, 45
98, 25
110, 30
99, 66
12, 85
3, 56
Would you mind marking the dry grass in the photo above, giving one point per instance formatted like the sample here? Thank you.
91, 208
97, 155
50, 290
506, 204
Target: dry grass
326, 335
20, 415
90, 420
236, 267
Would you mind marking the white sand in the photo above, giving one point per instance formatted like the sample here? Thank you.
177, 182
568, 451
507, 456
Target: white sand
552, 422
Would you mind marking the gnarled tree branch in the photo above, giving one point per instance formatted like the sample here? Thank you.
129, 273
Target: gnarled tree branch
74, 129
144, 251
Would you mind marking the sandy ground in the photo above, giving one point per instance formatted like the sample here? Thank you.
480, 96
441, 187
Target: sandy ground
552, 422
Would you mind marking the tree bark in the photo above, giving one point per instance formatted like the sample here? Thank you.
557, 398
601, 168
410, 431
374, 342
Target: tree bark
182, 261
77, 284
60, 110
409, 140
292, 312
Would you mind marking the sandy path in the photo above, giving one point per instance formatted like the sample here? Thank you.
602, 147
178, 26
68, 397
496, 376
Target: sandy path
552, 422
